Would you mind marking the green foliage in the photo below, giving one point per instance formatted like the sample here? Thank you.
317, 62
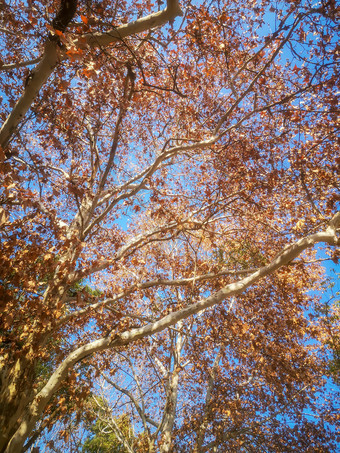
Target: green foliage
107, 432
330, 311
85, 289
238, 256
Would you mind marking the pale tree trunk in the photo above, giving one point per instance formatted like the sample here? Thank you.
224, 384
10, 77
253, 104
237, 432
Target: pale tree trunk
16, 393
35, 410
170, 413
204, 423
172, 395
17, 379
39, 77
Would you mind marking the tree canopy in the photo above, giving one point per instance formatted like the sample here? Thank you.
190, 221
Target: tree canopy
170, 193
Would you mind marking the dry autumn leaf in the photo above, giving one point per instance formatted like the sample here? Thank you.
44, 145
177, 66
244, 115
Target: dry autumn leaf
168, 200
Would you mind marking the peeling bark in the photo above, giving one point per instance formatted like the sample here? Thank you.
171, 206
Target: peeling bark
16, 384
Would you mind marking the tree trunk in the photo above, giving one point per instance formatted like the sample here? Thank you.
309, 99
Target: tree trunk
16, 393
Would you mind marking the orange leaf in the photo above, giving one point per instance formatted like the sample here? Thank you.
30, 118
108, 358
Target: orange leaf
84, 19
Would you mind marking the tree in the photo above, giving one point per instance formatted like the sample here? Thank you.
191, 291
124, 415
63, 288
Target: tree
167, 178
329, 311
107, 433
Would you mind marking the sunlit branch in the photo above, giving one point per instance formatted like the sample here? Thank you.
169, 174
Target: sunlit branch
145, 418
196, 146
160, 283
253, 112
20, 64
41, 73
268, 41
122, 111
52, 55
142, 239
113, 426
95, 163
121, 436
169, 412
145, 175
151, 21
290, 252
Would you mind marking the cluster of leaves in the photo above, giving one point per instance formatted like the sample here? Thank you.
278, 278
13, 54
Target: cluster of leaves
102, 436
165, 174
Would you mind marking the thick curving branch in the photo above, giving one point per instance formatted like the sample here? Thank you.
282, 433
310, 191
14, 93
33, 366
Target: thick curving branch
151, 284
53, 54
290, 252
149, 22
38, 78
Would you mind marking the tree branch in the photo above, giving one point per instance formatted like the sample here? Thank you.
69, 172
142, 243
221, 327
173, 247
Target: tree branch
140, 411
149, 22
20, 64
115, 340
52, 54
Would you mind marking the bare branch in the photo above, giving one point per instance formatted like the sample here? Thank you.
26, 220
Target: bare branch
141, 413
